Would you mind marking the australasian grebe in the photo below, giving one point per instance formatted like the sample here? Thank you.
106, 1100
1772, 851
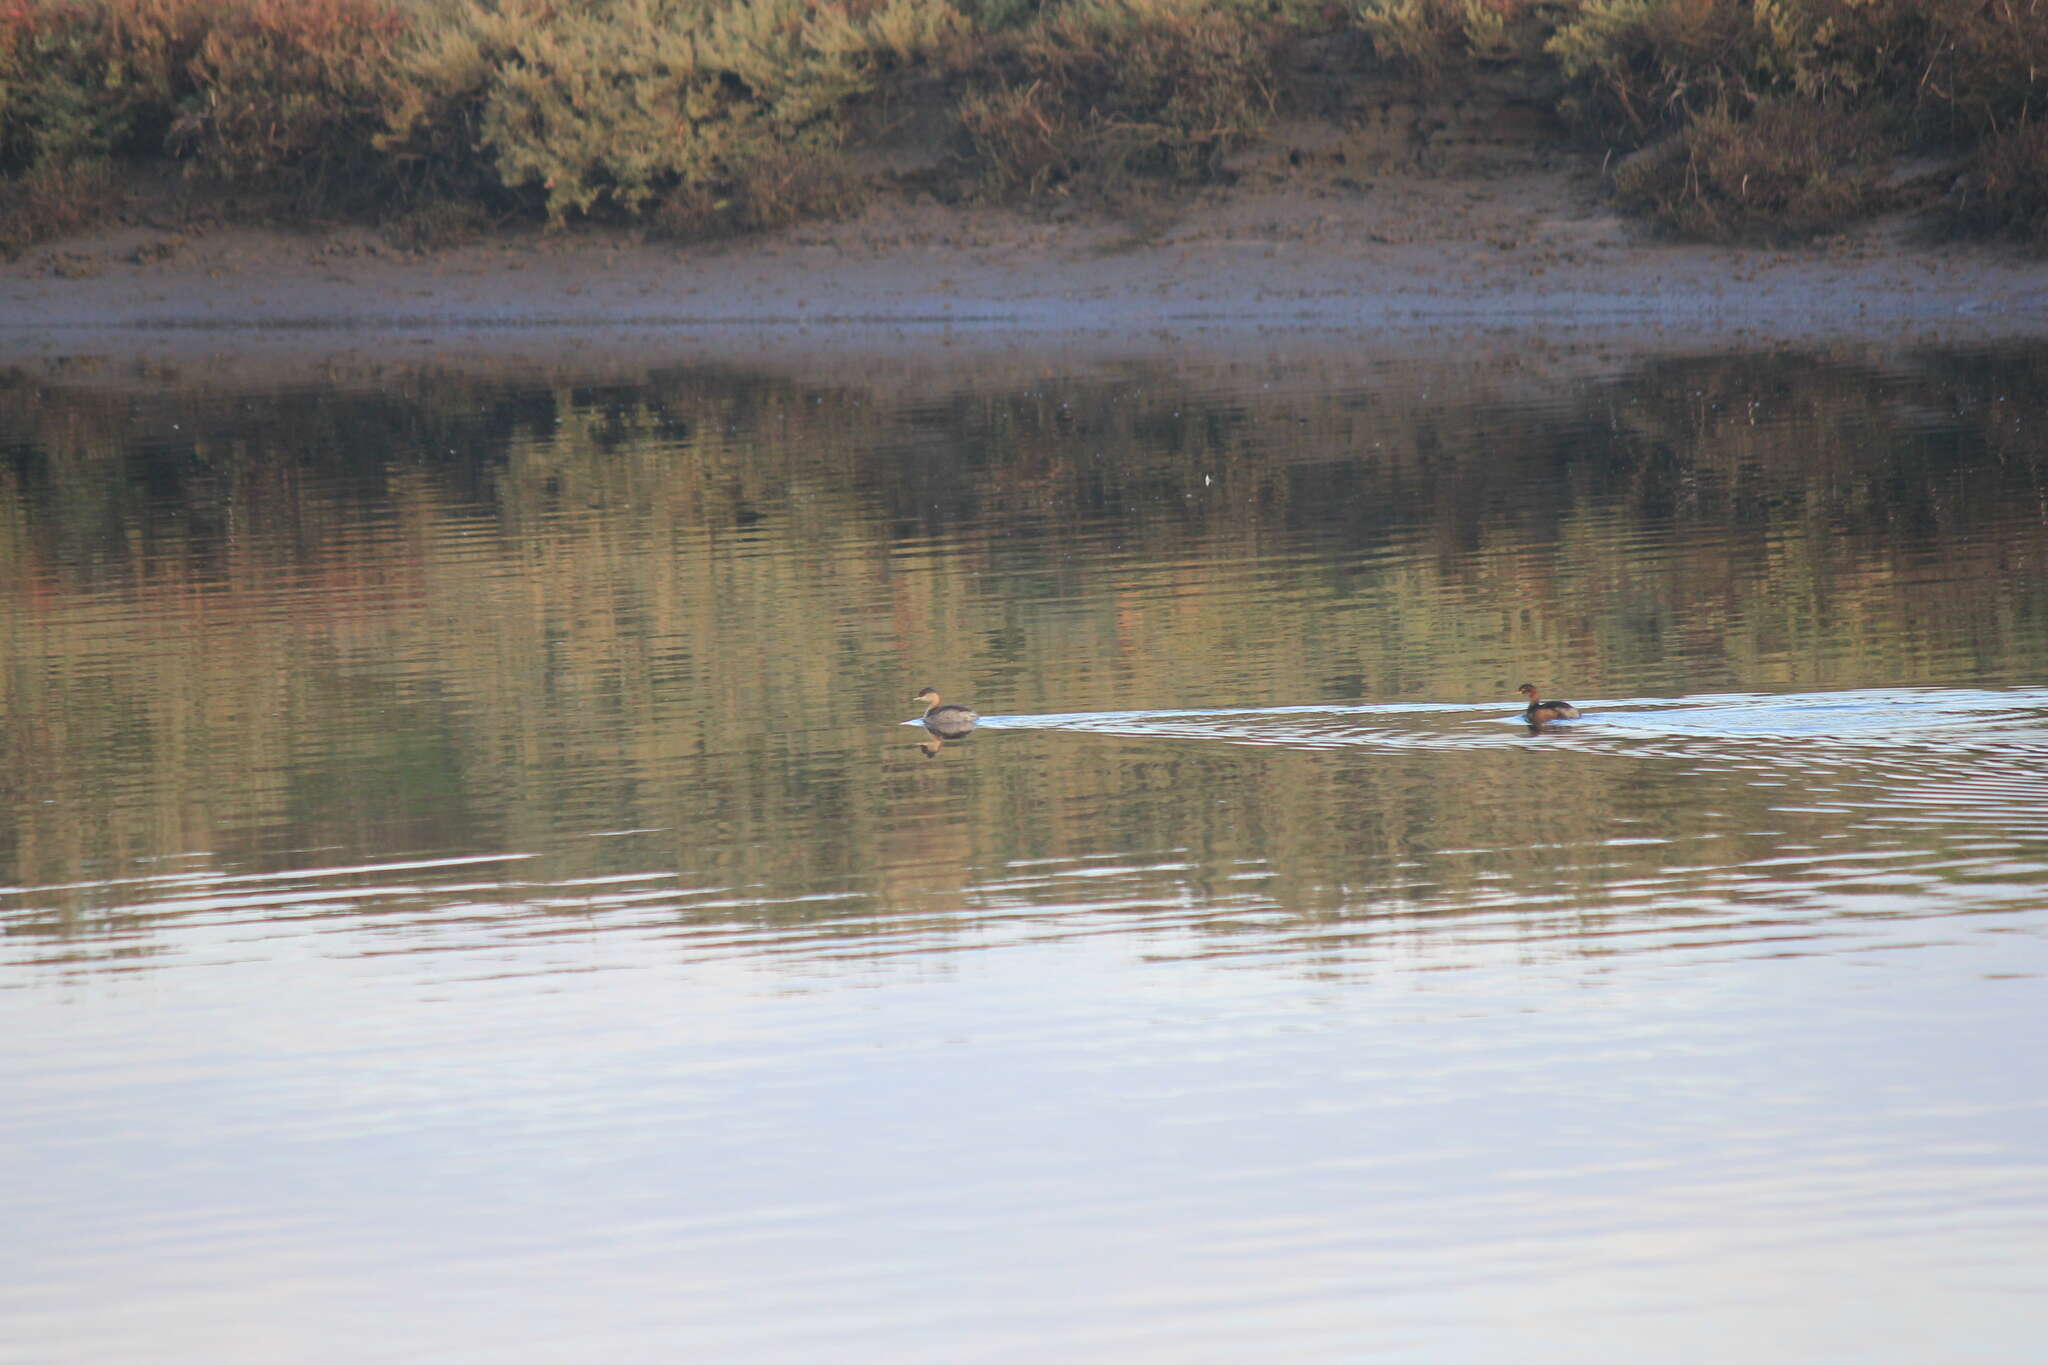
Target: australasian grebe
947, 722
1542, 712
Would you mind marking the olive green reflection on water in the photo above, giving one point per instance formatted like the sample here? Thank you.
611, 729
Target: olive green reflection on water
281, 629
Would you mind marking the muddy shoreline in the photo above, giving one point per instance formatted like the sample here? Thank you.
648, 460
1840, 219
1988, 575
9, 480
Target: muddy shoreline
1418, 265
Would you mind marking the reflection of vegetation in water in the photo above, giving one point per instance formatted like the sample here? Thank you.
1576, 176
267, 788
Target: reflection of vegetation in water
452, 616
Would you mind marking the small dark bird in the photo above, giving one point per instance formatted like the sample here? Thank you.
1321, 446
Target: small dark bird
947, 722
1543, 712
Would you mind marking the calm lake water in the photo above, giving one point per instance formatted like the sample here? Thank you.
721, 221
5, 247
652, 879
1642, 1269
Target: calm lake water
468, 890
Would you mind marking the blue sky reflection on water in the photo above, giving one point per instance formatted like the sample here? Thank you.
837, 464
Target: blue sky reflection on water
1495, 1152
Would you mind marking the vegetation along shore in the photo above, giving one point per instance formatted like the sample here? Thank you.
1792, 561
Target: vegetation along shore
444, 121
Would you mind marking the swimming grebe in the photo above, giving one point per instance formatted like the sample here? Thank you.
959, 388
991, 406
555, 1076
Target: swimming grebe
947, 722
1542, 712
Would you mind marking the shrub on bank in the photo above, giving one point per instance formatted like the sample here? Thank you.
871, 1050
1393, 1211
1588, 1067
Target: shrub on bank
296, 86
1107, 90
284, 92
242, 88
615, 106
1438, 40
773, 188
1642, 67
1790, 169
1778, 113
2005, 190
55, 198
1768, 116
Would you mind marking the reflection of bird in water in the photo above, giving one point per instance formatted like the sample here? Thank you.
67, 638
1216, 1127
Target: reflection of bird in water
948, 721
1542, 712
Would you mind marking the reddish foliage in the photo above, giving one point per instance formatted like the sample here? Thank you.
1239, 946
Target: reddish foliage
280, 81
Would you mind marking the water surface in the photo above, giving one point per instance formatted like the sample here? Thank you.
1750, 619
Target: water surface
468, 890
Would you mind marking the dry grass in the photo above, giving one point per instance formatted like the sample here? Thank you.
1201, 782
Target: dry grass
1956, 67
1791, 169
1107, 91
290, 85
2005, 191
781, 186
1440, 40
714, 116
436, 225
54, 200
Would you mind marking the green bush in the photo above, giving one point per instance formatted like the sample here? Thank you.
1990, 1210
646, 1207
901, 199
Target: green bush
617, 105
239, 90
75, 81
1437, 38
